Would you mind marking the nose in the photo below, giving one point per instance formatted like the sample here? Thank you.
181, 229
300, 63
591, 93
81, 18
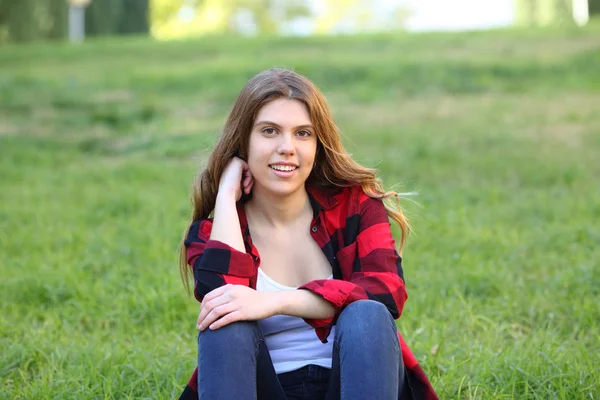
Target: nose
286, 145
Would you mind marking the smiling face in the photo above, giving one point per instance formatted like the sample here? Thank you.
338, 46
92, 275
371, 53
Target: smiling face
282, 147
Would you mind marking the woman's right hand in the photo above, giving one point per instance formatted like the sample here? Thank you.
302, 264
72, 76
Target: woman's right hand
231, 179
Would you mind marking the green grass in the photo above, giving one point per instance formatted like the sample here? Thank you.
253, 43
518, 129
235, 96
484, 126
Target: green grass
498, 132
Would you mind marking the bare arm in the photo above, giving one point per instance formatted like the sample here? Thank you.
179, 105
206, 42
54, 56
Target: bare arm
226, 225
231, 303
303, 304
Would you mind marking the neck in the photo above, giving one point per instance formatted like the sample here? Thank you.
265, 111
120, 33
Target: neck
278, 211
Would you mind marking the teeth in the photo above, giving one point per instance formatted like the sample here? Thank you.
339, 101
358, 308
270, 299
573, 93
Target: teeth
287, 168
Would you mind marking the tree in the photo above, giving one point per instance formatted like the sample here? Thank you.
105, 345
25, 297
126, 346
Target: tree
115, 17
102, 17
594, 7
134, 17
544, 12
176, 18
27, 20
21, 20
58, 15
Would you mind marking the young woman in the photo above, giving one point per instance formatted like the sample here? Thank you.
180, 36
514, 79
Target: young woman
294, 261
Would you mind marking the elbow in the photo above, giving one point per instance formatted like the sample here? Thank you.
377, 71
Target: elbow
200, 291
399, 300
206, 282
394, 300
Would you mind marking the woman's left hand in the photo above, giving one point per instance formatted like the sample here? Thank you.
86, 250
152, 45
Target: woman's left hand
231, 303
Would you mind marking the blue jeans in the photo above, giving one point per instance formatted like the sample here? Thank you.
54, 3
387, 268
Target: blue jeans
234, 362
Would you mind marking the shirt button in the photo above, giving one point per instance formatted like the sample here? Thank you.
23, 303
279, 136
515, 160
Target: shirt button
314, 229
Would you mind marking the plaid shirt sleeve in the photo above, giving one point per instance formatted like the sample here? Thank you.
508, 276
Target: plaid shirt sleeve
213, 262
370, 265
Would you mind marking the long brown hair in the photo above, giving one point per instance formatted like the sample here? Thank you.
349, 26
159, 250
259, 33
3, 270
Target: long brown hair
334, 166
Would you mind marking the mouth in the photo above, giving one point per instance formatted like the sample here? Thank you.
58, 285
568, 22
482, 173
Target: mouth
283, 168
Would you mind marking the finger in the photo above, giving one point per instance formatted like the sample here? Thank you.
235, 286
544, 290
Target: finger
226, 320
216, 313
208, 307
214, 293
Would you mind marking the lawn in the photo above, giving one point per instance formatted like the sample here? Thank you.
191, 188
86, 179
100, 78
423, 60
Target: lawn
498, 132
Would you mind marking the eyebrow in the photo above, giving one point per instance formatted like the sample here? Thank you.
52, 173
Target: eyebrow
279, 126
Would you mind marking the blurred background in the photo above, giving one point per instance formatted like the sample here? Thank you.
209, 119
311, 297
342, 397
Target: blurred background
488, 110
27, 20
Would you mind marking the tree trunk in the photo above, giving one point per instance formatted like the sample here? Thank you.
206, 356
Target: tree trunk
58, 11
526, 12
21, 22
134, 17
102, 17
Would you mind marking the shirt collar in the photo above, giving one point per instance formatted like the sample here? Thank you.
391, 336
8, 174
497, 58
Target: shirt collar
321, 199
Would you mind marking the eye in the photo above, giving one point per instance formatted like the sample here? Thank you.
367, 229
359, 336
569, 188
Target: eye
304, 133
269, 131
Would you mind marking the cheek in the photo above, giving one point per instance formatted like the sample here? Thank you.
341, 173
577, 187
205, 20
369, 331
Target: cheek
256, 154
310, 153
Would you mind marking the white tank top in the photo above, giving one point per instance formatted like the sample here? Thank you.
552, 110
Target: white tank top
292, 343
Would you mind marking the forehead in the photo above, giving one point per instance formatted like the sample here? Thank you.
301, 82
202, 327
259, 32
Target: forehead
284, 112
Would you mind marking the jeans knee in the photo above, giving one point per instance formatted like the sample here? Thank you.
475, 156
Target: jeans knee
365, 316
235, 335
367, 327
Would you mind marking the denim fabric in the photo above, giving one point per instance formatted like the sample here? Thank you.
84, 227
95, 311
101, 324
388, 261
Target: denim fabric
307, 383
234, 362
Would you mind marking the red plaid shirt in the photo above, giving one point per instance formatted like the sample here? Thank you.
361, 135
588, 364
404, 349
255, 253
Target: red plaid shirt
353, 231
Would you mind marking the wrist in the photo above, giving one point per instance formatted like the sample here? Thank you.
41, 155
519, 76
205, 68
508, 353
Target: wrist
280, 301
226, 196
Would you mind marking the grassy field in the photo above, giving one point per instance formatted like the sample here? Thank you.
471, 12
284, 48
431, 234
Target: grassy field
498, 132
